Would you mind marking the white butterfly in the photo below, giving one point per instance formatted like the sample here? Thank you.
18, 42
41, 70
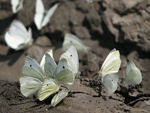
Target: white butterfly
72, 57
111, 64
42, 16
17, 37
16, 5
133, 74
110, 82
58, 97
71, 39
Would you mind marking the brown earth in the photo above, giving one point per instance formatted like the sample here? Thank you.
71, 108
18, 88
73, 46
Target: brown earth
102, 26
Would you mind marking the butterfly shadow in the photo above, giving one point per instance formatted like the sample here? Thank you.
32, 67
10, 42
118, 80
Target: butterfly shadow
4, 23
12, 56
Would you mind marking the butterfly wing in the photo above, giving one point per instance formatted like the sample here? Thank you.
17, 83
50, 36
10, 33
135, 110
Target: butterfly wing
71, 39
111, 63
39, 13
49, 14
63, 73
32, 64
110, 83
133, 74
29, 85
49, 87
49, 66
50, 52
58, 97
16, 5
72, 57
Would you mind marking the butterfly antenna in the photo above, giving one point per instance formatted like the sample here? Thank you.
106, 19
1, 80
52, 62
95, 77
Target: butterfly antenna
96, 64
84, 68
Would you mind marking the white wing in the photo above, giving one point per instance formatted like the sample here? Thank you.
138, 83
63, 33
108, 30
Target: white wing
39, 13
29, 85
17, 37
29, 61
59, 97
63, 73
50, 52
16, 5
72, 58
49, 87
110, 83
133, 74
49, 66
71, 39
111, 63
49, 14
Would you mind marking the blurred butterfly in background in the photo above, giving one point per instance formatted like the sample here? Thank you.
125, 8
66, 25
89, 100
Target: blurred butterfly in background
110, 66
42, 17
16, 5
133, 74
17, 37
71, 39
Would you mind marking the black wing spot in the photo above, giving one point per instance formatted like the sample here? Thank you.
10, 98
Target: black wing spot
47, 84
63, 67
70, 55
30, 65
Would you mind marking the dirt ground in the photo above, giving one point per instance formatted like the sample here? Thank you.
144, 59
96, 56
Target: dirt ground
102, 25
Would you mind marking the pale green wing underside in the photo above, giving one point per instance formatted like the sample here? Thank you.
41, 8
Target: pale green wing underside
29, 85
65, 77
49, 87
133, 74
31, 72
72, 57
49, 66
29, 61
110, 83
58, 97
63, 74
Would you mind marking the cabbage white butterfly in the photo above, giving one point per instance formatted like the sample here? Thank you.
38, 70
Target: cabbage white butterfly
72, 57
17, 37
133, 74
49, 87
71, 39
110, 83
58, 97
16, 5
42, 17
111, 63
33, 77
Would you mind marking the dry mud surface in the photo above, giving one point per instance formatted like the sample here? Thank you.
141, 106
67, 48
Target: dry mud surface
102, 26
